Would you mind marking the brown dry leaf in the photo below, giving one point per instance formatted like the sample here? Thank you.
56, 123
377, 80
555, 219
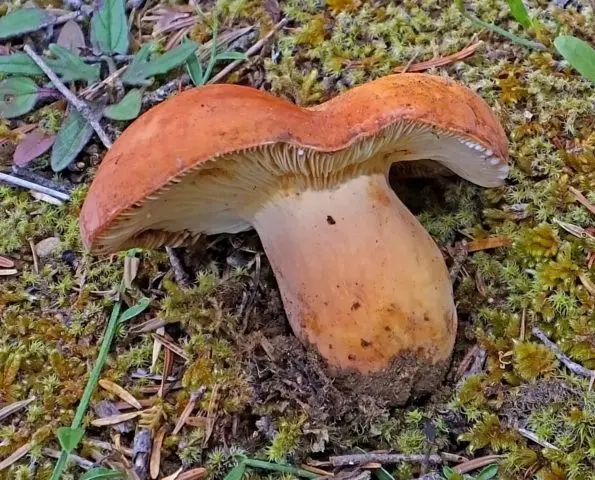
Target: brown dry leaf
488, 243
15, 456
171, 346
194, 397
155, 462
194, 474
120, 392
196, 421
587, 283
115, 419
72, 37
476, 463
6, 262
168, 363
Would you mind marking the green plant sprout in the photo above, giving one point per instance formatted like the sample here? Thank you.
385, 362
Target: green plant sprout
485, 474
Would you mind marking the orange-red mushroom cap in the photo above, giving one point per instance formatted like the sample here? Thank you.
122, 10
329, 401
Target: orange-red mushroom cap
203, 160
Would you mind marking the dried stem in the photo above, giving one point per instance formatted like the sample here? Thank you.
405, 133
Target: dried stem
19, 182
382, 458
76, 102
572, 366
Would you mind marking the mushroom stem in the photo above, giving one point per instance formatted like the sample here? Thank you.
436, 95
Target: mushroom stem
360, 278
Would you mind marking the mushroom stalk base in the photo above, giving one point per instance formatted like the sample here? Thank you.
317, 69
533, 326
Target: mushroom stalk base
360, 278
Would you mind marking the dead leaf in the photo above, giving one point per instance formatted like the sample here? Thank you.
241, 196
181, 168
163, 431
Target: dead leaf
32, 146
6, 262
194, 474
6, 273
171, 346
440, 62
157, 346
155, 462
115, 419
120, 392
72, 37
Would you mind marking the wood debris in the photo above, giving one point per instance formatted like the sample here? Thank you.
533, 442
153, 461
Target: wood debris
489, 243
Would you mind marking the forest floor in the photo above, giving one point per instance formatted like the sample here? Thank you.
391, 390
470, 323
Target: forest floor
241, 384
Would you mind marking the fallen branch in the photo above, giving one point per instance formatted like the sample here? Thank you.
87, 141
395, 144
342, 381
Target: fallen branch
572, 366
440, 62
382, 458
76, 102
19, 182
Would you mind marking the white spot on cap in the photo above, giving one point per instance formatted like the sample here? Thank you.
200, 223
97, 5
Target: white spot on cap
504, 169
300, 151
494, 161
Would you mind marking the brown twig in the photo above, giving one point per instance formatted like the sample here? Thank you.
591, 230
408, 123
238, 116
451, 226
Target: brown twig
572, 366
440, 62
15, 407
383, 458
76, 102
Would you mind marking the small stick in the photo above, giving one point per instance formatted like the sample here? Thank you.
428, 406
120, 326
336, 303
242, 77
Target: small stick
409, 63
76, 102
19, 182
80, 461
35, 258
251, 51
383, 458
572, 366
533, 437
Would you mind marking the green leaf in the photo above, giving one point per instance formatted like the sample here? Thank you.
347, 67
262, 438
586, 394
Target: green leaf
25, 20
237, 472
276, 467
126, 109
519, 12
140, 70
99, 473
70, 140
231, 56
194, 68
505, 33
109, 27
19, 64
488, 472
71, 67
69, 438
135, 310
577, 53
18, 96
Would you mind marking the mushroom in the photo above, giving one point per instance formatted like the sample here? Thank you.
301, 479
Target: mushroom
362, 282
